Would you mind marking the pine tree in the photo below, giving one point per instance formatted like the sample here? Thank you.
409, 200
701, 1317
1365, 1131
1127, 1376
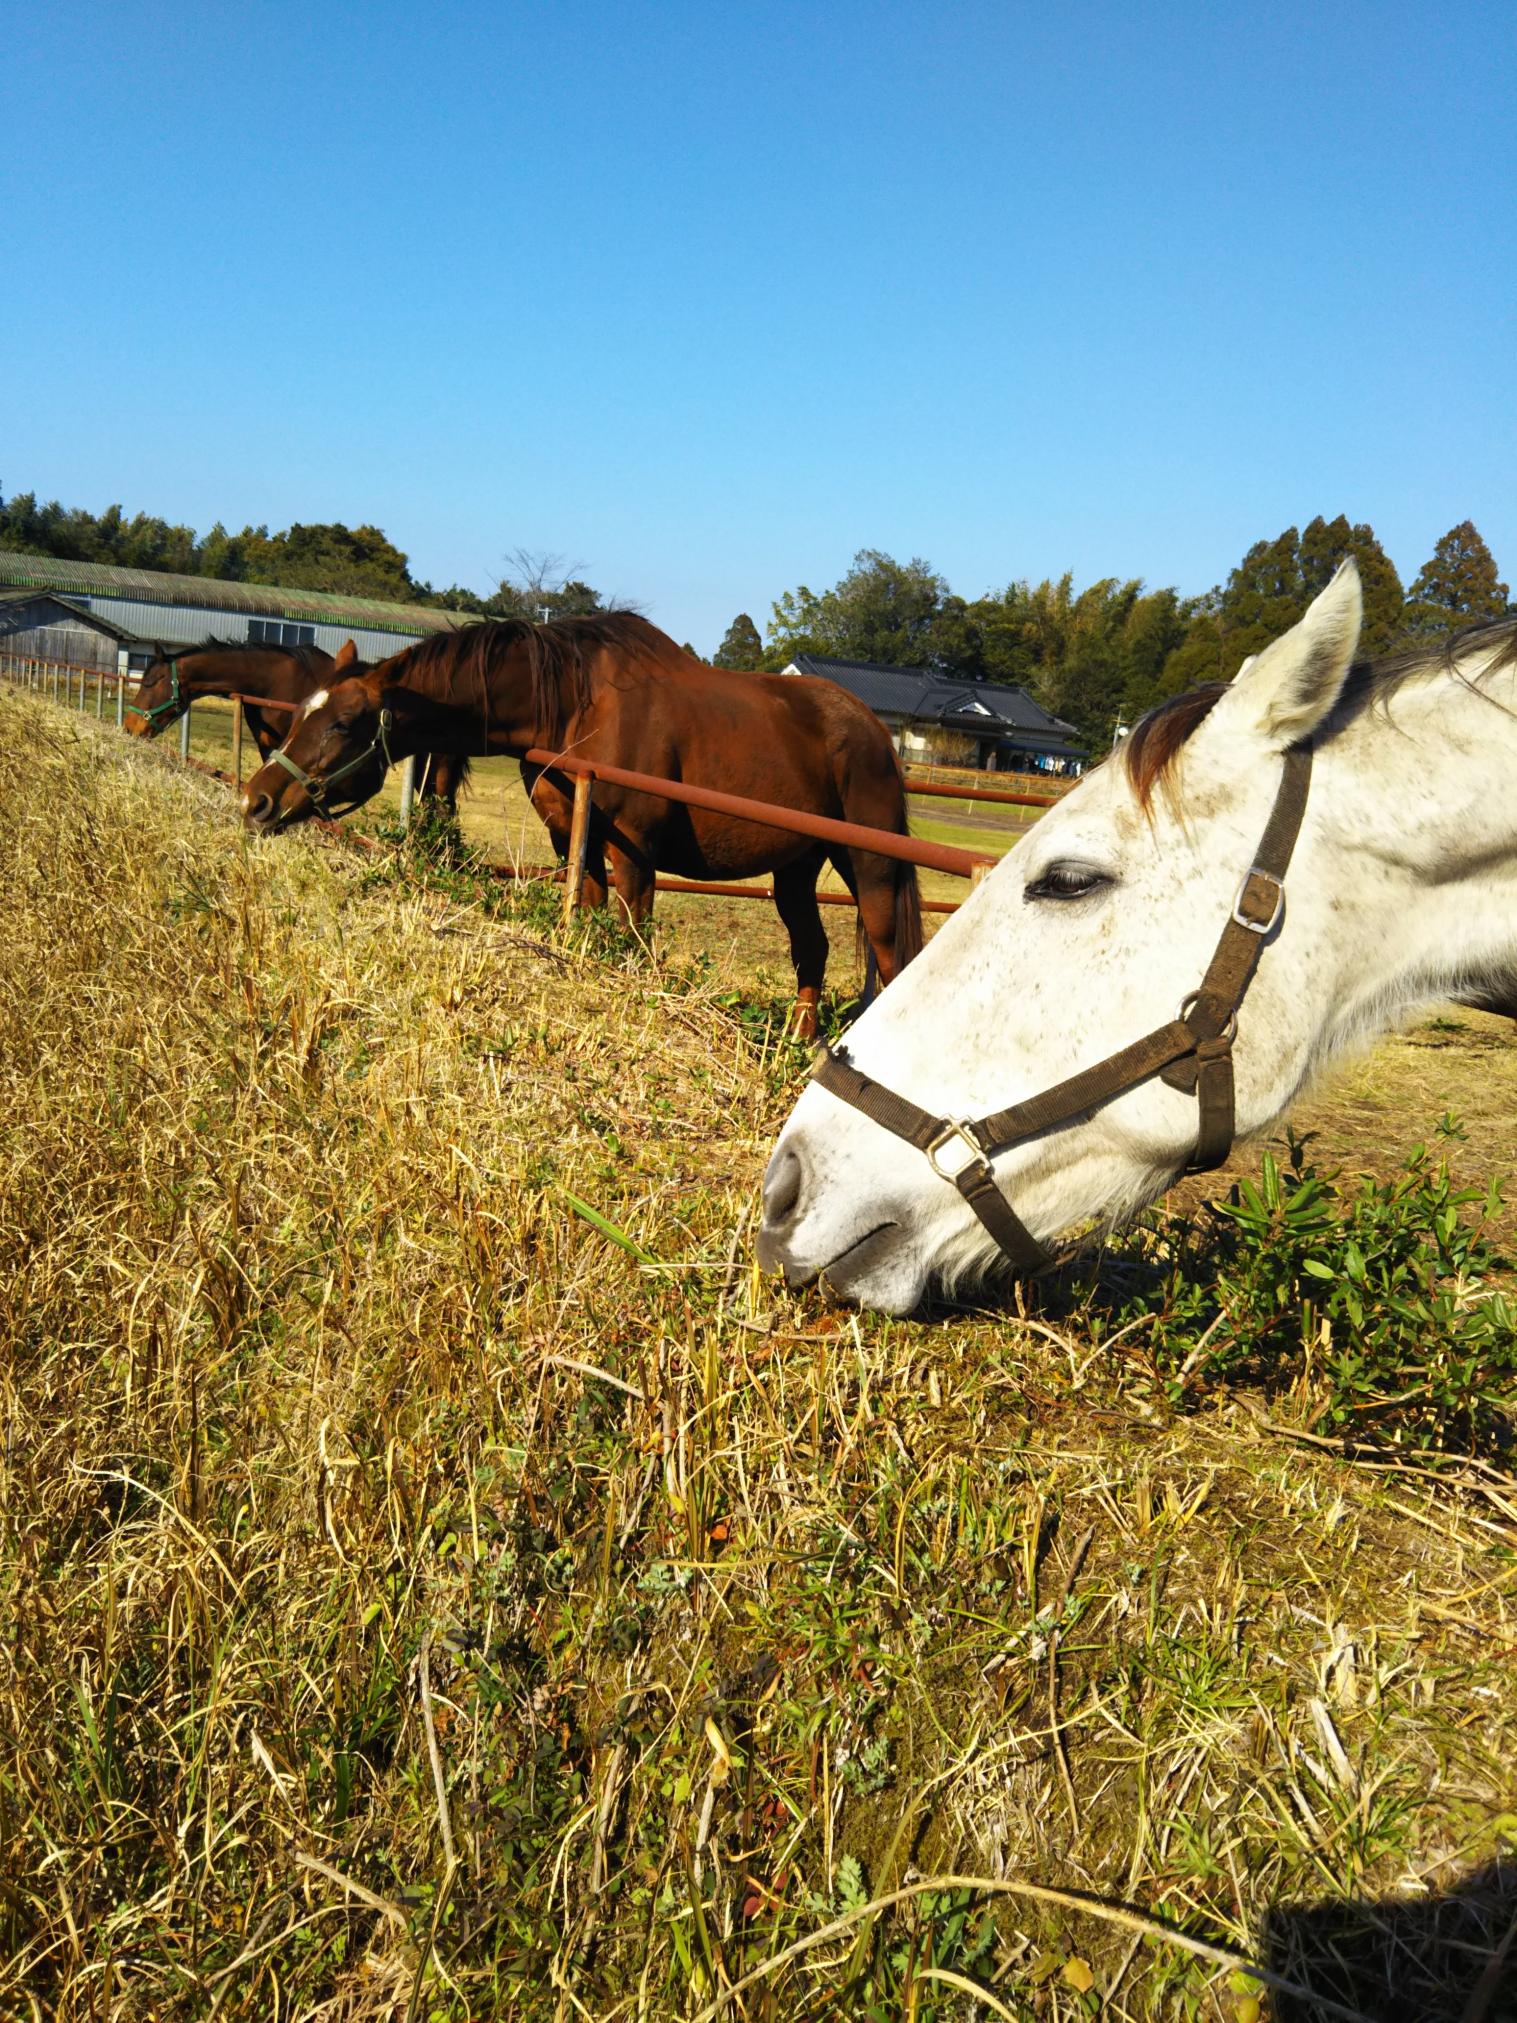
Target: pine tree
741, 648
1269, 591
1458, 585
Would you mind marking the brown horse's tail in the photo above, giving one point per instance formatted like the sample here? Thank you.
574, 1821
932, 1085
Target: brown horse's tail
907, 938
908, 915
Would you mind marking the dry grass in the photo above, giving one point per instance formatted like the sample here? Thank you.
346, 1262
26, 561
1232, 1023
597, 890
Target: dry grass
418, 1599
741, 942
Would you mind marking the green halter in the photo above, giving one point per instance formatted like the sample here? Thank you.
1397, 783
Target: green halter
177, 703
318, 789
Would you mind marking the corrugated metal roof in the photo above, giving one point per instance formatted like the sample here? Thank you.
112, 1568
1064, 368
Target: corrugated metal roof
210, 593
925, 697
8, 598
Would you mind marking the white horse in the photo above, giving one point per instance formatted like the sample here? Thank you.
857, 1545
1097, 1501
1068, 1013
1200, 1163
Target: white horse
1103, 920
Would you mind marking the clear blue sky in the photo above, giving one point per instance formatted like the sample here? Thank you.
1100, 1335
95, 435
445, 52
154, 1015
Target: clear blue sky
704, 297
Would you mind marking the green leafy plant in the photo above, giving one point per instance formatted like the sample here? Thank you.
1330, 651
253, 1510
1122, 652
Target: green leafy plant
1383, 1300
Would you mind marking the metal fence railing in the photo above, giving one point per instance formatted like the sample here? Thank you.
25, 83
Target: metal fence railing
74, 685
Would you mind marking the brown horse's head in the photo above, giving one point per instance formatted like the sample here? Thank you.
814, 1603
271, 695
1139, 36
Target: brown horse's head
159, 701
336, 754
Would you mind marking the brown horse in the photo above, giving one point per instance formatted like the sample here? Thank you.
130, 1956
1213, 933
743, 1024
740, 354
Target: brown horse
173, 679
614, 687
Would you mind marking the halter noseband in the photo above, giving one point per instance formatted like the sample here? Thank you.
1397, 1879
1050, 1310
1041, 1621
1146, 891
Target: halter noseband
319, 789
1193, 1052
177, 703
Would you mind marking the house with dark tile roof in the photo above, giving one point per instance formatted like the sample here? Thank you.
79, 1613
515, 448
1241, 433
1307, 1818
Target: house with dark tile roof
931, 717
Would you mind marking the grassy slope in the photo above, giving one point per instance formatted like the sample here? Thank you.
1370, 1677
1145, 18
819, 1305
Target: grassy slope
361, 1500
742, 941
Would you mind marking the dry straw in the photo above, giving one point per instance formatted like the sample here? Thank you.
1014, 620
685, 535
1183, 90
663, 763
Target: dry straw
383, 1540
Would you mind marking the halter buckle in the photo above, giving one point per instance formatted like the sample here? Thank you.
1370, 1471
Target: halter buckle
1228, 1033
948, 1130
1254, 925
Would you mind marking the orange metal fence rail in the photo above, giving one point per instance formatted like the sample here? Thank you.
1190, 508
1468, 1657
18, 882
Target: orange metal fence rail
883, 842
39, 673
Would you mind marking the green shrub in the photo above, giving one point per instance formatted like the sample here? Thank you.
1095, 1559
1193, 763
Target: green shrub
1379, 1300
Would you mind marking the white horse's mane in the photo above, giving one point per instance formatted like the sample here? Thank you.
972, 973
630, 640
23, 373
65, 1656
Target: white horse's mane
1151, 750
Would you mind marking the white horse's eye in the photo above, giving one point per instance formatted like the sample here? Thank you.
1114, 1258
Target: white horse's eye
1067, 880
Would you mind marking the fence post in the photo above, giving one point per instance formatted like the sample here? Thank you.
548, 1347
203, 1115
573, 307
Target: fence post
120, 699
184, 734
237, 741
579, 842
979, 874
81, 691
100, 695
407, 790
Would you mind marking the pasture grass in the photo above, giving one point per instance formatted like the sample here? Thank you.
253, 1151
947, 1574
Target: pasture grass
743, 940
439, 1577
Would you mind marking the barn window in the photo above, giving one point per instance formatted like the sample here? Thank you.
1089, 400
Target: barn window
273, 632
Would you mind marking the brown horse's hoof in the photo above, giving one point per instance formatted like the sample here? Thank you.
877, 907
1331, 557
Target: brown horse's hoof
802, 1023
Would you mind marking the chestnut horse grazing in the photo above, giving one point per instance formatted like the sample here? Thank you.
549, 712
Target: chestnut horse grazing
173, 679
613, 687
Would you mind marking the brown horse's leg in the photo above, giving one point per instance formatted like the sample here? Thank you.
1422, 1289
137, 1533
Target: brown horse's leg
795, 902
594, 890
633, 878
265, 736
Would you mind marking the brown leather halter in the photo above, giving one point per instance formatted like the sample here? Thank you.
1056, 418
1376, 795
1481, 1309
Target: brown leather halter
1193, 1052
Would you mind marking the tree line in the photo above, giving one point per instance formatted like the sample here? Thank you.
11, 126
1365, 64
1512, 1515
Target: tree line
1097, 656
350, 561
1100, 656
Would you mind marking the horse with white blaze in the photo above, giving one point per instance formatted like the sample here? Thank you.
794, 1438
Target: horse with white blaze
1265, 875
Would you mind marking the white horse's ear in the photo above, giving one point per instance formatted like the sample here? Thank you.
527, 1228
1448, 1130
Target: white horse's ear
1285, 692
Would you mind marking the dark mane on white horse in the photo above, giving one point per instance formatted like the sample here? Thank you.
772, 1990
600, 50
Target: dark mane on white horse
1381, 678
1157, 739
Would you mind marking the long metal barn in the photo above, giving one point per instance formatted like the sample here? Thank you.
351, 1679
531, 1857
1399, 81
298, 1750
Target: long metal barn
98, 616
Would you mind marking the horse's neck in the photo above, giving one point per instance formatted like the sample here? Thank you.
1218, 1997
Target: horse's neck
501, 703
249, 671
1420, 832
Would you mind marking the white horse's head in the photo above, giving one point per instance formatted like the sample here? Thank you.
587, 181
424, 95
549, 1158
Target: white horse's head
1102, 920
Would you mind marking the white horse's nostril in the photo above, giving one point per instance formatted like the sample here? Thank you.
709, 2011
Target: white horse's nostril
782, 1186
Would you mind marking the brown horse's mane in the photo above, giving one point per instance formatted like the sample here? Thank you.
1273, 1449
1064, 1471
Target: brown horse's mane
1157, 739
457, 665
311, 660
